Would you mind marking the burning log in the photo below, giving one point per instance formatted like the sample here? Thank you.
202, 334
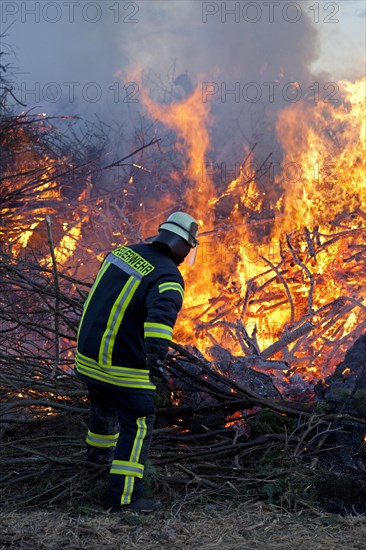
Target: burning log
287, 339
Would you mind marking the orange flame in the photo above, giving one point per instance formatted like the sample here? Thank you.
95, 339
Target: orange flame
325, 147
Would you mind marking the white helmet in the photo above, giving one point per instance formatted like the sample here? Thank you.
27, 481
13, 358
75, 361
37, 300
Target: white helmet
184, 225
179, 233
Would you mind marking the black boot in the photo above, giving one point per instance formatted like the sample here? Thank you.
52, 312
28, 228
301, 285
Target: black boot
143, 505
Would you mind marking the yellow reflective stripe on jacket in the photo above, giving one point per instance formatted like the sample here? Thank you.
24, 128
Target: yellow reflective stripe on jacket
99, 440
121, 372
123, 377
115, 319
127, 468
134, 458
158, 330
171, 285
121, 382
102, 270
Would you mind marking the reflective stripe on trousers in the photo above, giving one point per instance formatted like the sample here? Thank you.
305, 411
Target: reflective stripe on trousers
132, 415
102, 440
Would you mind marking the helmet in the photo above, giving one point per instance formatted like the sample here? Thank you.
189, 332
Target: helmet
179, 232
184, 225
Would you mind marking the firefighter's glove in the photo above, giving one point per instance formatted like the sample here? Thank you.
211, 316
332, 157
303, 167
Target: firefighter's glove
156, 367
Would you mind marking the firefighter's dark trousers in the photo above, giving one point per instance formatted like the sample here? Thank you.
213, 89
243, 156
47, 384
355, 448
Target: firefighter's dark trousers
119, 431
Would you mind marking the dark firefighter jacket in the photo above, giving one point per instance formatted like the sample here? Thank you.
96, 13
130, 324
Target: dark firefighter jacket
130, 311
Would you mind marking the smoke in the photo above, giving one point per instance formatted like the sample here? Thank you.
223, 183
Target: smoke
205, 37
246, 56
250, 58
244, 59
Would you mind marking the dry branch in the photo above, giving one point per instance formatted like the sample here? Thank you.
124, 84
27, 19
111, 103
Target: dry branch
57, 298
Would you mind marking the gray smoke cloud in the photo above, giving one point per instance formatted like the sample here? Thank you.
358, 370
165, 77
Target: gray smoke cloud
246, 56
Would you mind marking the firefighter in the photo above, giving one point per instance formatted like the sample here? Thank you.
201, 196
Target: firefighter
122, 345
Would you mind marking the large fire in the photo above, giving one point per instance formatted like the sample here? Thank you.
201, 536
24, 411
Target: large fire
324, 148
259, 277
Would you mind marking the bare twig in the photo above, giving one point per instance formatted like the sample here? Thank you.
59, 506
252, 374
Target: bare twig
57, 297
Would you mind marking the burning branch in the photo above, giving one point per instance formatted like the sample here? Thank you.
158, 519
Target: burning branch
307, 271
286, 287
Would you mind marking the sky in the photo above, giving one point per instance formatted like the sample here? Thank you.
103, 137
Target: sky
75, 56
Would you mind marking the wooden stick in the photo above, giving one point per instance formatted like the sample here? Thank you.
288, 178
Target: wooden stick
57, 297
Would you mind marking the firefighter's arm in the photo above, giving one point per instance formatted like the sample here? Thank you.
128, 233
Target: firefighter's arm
164, 301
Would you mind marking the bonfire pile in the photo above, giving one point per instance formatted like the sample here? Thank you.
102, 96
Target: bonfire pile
222, 426
249, 424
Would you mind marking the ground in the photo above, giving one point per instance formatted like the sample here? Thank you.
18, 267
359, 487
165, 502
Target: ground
226, 525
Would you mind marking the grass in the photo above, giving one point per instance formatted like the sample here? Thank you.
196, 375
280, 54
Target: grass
183, 524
